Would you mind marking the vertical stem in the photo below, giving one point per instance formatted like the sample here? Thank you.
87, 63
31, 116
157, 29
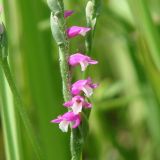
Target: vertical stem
92, 12
76, 144
65, 73
19, 106
9, 122
58, 28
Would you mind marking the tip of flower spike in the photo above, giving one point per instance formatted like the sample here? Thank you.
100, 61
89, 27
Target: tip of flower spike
68, 13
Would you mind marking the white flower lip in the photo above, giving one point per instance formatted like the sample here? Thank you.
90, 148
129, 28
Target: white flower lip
64, 126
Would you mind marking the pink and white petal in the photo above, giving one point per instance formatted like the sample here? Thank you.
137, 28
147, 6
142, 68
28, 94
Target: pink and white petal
94, 85
89, 80
87, 90
77, 108
84, 31
87, 105
93, 62
64, 126
57, 120
68, 116
84, 65
72, 61
68, 13
68, 104
76, 123
73, 31
76, 58
78, 98
80, 83
75, 91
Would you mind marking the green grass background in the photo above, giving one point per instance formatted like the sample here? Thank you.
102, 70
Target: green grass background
125, 120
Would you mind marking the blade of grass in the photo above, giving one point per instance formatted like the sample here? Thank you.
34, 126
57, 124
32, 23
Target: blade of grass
42, 78
144, 23
38, 69
9, 122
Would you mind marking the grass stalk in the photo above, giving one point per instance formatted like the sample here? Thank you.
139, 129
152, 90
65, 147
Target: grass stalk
92, 12
20, 109
145, 25
9, 122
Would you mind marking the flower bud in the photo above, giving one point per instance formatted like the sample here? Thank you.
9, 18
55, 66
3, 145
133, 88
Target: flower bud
89, 10
56, 32
53, 5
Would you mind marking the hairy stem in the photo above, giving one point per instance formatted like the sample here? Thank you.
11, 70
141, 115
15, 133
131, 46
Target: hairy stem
58, 28
76, 144
65, 73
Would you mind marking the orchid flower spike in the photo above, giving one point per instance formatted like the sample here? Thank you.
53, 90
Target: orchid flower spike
81, 59
77, 103
68, 13
83, 85
76, 30
66, 119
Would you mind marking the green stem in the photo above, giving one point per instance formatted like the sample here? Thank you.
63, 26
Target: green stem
65, 73
58, 28
76, 144
92, 12
9, 122
20, 108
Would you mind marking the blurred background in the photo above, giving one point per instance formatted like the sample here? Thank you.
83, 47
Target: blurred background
125, 120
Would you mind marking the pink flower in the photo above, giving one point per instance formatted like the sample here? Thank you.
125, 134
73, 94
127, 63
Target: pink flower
66, 119
81, 59
76, 30
77, 103
83, 85
68, 13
